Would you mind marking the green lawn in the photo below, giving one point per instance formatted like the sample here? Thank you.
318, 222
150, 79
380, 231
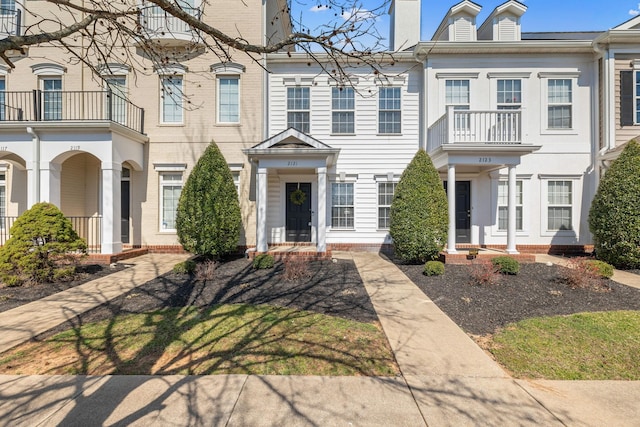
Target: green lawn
585, 346
229, 339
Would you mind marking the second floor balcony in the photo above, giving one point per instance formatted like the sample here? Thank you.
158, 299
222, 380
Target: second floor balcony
70, 106
10, 21
497, 127
167, 30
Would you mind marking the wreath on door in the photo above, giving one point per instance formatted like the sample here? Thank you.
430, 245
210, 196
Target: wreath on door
298, 197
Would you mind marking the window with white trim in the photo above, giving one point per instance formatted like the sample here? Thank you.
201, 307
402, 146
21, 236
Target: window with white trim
559, 205
457, 95
559, 104
389, 110
385, 197
228, 99
342, 205
117, 85
503, 205
171, 91
298, 108
3, 105
343, 110
509, 93
170, 189
51, 98
236, 180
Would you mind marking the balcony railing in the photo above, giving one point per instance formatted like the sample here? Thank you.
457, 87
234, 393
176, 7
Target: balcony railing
40, 105
10, 20
476, 127
159, 23
87, 227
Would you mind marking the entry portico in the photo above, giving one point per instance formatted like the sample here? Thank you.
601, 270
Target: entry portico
291, 189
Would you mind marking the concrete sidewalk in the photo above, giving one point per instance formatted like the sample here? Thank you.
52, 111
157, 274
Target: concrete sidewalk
447, 380
27, 321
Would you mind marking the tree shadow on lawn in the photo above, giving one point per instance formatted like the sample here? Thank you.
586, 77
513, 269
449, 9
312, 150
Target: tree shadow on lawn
182, 314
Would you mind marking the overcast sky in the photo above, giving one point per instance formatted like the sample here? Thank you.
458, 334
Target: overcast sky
542, 15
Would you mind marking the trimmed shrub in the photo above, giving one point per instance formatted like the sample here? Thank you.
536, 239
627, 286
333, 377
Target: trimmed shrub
506, 265
262, 261
419, 219
185, 267
614, 218
433, 268
601, 268
208, 219
43, 247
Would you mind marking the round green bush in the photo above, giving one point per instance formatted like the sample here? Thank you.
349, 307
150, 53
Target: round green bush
262, 261
208, 219
506, 265
433, 268
43, 247
185, 267
614, 218
601, 268
419, 218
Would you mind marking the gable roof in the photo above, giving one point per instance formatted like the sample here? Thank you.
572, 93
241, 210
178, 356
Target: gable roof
291, 138
467, 6
631, 24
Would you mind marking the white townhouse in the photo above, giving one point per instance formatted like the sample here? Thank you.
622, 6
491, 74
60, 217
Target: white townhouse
516, 120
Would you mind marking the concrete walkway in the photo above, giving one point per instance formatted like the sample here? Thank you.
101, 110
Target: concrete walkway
446, 381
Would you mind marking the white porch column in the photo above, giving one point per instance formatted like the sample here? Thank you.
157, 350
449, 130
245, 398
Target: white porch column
111, 236
451, 197
33, 183
261, 221
50, 183
511, 211
322, 210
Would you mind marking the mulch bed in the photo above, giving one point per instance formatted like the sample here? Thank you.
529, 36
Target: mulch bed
536, 291
332, 288
12, 297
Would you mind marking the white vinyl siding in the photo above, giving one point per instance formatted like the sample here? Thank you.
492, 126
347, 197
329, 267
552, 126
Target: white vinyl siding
298, 105
343, 114
389, 110
559, 104
170, 189
171, 99
228, 100
342, 205
559, 205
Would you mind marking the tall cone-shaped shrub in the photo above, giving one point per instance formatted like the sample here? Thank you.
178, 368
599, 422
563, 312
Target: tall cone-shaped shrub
419, 220
208, 220
614, 218
43, 247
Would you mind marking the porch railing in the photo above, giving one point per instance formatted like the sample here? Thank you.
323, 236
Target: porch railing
87, 227
476, 127
38, 105
155, 20
10, 21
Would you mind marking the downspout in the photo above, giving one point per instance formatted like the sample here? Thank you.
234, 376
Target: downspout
36, 164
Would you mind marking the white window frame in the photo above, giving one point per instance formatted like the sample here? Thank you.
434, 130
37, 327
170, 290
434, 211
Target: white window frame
503, 204
636, 96
384, 108
293, 108
343, 102
119, 104
496, 179
169, 183
164, 169
220, 119
545, 79
576, 189
508, 105
346, 206
177, 98
236, 169
384, 206
58, 113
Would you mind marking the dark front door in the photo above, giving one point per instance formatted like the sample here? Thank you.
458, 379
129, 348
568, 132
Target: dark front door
463, 211
124, 210
298, 212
